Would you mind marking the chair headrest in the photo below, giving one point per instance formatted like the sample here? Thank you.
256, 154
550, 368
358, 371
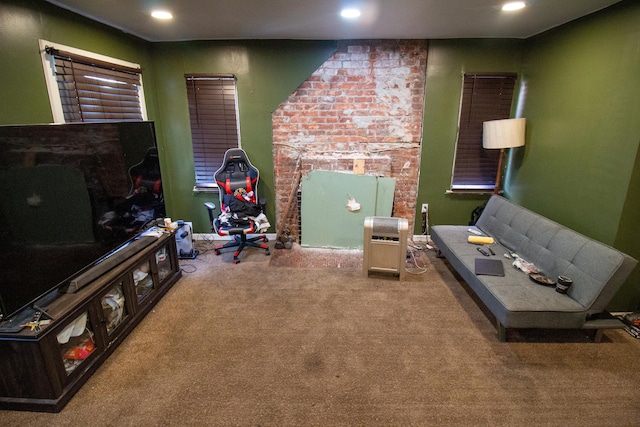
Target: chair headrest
236, 172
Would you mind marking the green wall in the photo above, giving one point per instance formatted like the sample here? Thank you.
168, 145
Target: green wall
22, 84
267, 73
579, 90
447, 62
582, 104
583, 118
580, 97
628, 241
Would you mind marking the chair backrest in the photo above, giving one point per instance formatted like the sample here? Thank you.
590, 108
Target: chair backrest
147, 173
236, 173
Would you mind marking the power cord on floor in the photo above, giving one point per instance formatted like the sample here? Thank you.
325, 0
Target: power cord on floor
188, 268
412, 266
203, 247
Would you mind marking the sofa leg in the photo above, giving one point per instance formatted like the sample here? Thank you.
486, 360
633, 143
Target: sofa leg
502, 332
597, 337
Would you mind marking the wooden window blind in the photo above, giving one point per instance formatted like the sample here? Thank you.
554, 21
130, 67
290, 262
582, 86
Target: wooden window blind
214, 122
484, 97
96, 91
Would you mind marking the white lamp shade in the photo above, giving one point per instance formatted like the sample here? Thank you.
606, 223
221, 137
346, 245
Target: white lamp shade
506, 133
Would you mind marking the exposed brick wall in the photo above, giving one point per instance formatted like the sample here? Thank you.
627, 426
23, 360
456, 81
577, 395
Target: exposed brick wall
365, 102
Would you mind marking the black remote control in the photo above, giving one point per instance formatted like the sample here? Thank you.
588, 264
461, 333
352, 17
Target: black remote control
483, 252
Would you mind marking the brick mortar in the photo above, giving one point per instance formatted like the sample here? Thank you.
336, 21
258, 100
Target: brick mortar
365, 102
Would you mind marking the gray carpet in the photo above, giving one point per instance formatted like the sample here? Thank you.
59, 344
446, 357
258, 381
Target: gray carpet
259, 343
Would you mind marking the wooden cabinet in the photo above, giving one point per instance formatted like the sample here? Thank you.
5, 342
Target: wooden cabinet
41, 371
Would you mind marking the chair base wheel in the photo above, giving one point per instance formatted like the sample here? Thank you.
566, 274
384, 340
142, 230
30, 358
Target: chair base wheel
241, 242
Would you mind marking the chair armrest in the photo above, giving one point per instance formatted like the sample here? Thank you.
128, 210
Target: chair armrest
210, 207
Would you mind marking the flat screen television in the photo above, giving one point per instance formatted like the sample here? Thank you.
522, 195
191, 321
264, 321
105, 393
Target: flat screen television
62, 192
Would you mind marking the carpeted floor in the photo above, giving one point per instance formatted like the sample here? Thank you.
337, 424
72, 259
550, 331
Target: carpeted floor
278, 343
298, 256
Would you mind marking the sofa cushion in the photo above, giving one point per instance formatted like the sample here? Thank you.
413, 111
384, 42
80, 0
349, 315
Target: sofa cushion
597, 270
515, 300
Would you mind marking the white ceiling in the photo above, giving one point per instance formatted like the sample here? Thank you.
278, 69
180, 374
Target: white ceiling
320, 19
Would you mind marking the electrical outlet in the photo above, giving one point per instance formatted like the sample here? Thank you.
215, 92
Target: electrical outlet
425, 219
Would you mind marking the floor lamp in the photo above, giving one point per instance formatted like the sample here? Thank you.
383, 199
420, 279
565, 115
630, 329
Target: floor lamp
501, 134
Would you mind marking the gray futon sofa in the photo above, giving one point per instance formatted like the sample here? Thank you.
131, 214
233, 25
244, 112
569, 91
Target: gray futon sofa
597, 270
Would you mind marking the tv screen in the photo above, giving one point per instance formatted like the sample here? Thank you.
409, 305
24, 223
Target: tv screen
67, 201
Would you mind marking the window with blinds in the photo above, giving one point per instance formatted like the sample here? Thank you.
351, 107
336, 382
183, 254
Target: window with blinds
93, 90
484, 97
214, 122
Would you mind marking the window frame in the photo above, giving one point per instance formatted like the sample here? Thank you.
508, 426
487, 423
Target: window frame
491, 156
201, 140
48, 66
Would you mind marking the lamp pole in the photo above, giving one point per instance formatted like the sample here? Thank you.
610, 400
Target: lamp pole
501, 134
496, 190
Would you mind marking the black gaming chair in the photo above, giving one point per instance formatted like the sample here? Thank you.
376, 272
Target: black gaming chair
145, 201
237, 181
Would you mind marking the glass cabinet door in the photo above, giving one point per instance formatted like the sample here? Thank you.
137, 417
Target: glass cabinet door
163, 261
114, 307
143, 280
76, 342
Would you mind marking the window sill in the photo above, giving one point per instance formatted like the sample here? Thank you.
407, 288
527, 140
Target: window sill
472, 192
206, 188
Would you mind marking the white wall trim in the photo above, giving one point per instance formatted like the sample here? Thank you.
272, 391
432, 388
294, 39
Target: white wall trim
272, 236
212, 236
50, 75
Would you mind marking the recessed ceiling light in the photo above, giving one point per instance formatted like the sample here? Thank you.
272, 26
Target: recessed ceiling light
350, 13
161, 14
515, 5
